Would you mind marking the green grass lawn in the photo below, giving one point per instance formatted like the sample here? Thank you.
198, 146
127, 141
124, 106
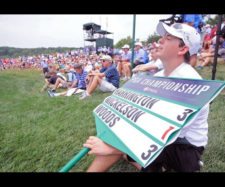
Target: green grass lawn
41, 134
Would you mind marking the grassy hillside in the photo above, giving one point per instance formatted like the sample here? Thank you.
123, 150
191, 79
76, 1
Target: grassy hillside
41, 134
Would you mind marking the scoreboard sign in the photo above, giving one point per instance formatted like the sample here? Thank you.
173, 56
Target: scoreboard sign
147, 113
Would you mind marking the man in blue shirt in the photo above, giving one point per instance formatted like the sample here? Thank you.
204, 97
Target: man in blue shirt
107, 79
78, 83
140, 56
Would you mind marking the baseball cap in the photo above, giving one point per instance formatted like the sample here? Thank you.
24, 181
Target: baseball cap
187, 33
126, 46
106, 57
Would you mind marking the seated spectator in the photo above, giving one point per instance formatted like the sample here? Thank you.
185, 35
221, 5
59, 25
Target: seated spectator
221, 51
184, 154
153, 66
50, 80
44, 65
207, 38
78, 82
206, 56
139, 55
1, 65
124, 65
62, 80
81, 75
107, 79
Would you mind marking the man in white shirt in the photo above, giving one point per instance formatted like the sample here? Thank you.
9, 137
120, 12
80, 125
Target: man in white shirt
153, 66
177, 43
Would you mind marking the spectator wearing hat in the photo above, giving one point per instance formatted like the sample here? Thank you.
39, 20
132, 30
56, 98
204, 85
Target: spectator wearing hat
81, 75
62, 79
107, 80
140, 55
124, 66
50, 79
153, 66
183, 155
207, 29
206, 35
78, 83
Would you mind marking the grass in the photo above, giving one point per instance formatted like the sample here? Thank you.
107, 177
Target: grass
41, 134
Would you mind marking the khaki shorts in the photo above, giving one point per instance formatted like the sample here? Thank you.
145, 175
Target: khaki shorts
106, 86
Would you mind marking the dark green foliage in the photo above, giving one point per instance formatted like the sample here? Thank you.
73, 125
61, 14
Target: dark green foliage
11, 52
123, 41
153, 38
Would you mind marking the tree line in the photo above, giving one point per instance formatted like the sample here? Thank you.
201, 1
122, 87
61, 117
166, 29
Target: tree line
12, 52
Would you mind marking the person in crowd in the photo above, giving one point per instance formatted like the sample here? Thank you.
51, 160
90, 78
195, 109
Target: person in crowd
124, 65
153, 66
139, 55
176, 44
107, 79
78, 85
44, 65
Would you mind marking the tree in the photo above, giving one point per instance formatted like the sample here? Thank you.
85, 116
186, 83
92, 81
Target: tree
213, 20
11, 52
153, 38
123, 41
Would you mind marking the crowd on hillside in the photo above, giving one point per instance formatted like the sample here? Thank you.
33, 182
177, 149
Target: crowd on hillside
85, 70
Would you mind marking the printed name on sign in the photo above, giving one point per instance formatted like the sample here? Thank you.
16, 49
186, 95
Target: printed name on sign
106, 115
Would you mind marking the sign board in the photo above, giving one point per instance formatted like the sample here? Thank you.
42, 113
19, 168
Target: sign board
147, 113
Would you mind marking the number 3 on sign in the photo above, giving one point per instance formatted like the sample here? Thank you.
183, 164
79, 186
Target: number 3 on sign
184, 115
153, 149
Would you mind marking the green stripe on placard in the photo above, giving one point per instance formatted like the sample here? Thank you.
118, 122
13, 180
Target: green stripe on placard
134, 125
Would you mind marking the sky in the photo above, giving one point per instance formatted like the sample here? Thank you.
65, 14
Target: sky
31, 31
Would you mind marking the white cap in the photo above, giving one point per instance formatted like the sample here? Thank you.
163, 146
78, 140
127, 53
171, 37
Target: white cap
126, 46
106, 57
139, 44
187, 33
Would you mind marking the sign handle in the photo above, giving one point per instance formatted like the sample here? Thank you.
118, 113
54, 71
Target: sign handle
74, 160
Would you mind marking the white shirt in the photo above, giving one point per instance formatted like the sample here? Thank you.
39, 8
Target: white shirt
196, 131
158, 63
